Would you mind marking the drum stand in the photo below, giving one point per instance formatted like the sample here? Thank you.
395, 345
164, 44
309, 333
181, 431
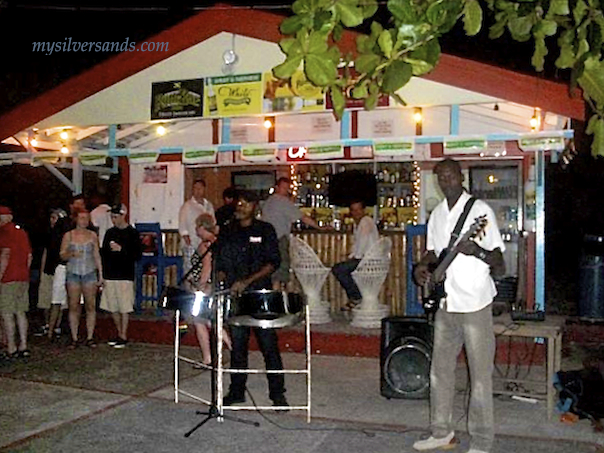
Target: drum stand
215, 409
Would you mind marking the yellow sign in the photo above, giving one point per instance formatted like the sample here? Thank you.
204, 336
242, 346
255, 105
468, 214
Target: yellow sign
296, 94
233, 95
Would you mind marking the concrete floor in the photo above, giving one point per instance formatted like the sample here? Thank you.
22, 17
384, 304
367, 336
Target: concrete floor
123, 401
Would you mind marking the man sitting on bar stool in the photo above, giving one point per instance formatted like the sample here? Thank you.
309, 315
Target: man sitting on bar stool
365, 235
248, 254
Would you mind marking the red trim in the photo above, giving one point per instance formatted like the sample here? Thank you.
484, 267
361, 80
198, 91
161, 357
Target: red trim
455, 71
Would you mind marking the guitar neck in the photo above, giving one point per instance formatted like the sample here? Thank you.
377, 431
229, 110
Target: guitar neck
440, 270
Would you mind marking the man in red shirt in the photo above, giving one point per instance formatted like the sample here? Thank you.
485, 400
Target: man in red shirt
15, 260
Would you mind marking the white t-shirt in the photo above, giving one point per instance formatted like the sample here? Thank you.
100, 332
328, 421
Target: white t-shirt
468, 283
365, 235
189, 212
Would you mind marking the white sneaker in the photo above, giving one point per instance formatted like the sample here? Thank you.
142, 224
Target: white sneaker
432, 443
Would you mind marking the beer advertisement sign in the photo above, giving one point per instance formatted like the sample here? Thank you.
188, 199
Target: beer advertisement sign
178, 99
233, 95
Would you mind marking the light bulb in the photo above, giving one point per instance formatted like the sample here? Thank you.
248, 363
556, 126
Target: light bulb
65, 149
417, 116
64, 135
268, 124
33, 142
161, 130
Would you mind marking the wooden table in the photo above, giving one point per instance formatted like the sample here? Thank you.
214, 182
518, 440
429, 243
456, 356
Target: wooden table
551, 331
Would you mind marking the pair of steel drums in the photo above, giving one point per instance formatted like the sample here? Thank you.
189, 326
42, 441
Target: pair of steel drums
265, 309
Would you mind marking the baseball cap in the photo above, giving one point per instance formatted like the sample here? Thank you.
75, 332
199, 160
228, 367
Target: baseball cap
119, 209
5, 210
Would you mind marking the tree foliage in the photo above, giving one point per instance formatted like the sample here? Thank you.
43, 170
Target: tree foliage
387, 56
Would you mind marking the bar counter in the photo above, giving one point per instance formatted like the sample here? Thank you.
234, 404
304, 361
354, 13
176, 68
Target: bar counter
334, 246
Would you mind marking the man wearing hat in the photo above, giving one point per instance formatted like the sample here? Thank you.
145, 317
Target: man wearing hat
15, 260
120, 251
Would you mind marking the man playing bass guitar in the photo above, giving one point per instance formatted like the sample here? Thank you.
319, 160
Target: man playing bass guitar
465, 316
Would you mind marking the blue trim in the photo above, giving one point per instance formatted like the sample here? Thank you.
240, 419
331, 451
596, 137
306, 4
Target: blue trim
113, 145
226, 131
540, 230
454, 120
345, 125
413, 306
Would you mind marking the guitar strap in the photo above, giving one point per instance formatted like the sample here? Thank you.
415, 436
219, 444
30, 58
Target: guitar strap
460, 222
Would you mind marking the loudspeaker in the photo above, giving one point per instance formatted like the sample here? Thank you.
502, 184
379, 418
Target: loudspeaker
405, 356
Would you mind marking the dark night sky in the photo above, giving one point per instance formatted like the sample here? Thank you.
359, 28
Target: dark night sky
574, 195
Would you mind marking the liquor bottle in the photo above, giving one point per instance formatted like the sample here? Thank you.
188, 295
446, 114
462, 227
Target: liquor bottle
380, 176
212, 101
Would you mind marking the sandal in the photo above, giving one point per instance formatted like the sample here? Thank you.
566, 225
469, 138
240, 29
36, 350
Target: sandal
73, 345
91, 343
26, 353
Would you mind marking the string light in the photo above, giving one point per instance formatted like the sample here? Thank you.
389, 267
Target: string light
65, 149
417, 176
64, 135
33, 142
161, 130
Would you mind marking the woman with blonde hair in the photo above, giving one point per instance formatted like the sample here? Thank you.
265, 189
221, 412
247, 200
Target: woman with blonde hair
200, 280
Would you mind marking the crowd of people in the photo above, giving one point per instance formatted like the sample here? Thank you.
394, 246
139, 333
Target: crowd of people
236, 250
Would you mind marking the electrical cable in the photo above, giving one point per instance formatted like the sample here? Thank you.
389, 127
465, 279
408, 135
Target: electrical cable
367, 432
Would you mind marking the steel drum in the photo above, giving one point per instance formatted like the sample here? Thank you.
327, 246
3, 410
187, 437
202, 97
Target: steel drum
197, 304
265, 309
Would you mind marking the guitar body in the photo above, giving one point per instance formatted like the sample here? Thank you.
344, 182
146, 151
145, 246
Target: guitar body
433, 291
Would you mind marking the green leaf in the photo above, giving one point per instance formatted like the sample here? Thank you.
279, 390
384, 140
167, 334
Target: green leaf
559, 7
337, 32
291, 25
317, 42
472, 19
582, 48
350, 14
398, 99
595, 127
403, 11
520, 28
302, 7
376, 29
411, 34
436, 13
396, 75
567, 58
338, 101
334, 55
290, 46
320, 69
545, 28
369, 8
579, 11
592, 79
366, 63
385, 43
371, 101
424, 59
539, 54
360, 91
364, 44
496, 30
288, 67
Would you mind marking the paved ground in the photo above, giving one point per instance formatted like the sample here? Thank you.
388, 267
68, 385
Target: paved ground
123, 401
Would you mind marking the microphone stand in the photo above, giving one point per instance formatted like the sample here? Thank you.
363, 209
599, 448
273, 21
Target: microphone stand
215, 410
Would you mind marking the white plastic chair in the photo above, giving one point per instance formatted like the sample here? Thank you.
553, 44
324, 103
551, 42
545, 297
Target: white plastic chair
371, 272
311, 274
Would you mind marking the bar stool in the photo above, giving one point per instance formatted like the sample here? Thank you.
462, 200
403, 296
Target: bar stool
369, 276
311, 274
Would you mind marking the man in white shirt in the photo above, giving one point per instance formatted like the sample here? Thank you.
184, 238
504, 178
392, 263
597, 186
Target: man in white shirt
465, 317
187, 215
365, 235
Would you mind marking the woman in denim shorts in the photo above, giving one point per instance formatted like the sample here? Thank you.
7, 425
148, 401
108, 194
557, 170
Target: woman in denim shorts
80, 248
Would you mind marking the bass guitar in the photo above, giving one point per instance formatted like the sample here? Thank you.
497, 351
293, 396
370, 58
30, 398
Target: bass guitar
433, 291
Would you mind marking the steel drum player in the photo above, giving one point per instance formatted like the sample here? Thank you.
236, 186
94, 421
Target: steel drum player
247, 257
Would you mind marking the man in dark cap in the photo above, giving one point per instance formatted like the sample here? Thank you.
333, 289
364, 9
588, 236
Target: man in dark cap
120, 251
246, 258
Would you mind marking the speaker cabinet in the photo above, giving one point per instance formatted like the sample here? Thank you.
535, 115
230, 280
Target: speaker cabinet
405, 356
